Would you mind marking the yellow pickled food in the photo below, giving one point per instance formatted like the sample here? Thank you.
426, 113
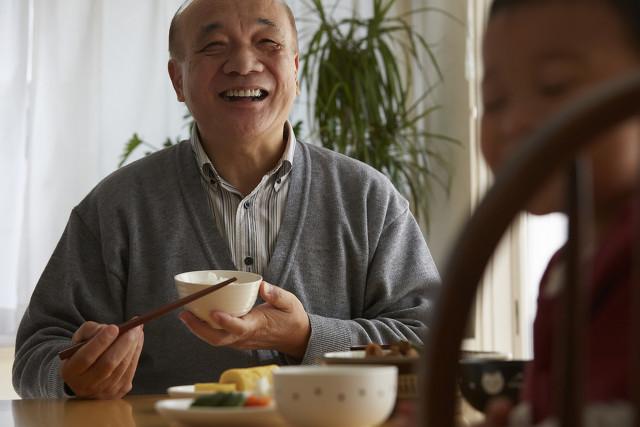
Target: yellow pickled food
245, 379
214, 387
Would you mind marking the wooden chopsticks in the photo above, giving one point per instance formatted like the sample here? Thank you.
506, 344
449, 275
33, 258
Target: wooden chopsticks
160, 311
364, 347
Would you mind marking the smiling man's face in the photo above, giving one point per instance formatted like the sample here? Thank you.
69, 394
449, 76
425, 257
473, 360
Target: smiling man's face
236, 67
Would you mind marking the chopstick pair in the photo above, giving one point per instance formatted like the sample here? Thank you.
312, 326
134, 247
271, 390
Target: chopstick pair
154, 314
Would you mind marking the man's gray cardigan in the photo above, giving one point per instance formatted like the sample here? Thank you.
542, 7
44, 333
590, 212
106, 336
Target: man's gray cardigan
348, 248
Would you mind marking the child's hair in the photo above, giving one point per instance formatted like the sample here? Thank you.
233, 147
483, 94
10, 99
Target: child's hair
628, 10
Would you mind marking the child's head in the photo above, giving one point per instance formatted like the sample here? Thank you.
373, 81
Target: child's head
539, 54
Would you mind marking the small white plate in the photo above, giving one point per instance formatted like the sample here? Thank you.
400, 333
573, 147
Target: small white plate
186, 391
179, 410
359, 357
190, 391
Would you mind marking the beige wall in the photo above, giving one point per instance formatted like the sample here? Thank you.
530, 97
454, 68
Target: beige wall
454, 119
6, 360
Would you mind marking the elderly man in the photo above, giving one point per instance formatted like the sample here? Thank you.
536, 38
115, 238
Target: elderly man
346, 261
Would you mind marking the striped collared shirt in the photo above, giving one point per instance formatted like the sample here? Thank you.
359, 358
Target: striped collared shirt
250, 224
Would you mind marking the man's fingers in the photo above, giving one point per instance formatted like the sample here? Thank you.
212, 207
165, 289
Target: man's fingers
279, 298
110, 386
205, 332
127, 380
233, 325
104, 367
115, 379
89, 353
86, 331
111, 359
110, 376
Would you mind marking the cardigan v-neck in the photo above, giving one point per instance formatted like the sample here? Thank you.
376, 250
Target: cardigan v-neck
214, 245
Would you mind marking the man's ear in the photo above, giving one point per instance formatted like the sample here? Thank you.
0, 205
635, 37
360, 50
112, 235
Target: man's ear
175, 73
296, 62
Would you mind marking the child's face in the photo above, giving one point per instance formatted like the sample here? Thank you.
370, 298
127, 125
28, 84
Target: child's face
537, 57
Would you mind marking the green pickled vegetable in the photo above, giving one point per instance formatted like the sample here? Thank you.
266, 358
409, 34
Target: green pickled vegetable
221, 399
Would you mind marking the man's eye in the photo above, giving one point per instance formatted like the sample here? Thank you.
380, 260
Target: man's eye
269, 43
213, 47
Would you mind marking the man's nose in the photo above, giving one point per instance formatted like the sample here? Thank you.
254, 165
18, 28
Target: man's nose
243, 60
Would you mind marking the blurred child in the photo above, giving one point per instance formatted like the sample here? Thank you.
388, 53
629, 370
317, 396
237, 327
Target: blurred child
538, 55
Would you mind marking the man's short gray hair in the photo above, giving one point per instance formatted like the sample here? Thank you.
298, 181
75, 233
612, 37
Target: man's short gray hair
176, 49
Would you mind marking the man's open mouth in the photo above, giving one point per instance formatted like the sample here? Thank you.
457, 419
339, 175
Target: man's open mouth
244, 95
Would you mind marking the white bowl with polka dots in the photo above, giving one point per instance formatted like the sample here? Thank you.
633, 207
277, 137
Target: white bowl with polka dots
236, 299
336, 395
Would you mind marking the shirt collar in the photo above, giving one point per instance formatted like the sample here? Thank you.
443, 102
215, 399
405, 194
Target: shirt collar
281, 170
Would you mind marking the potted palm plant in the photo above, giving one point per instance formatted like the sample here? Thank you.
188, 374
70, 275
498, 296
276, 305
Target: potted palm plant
358, 74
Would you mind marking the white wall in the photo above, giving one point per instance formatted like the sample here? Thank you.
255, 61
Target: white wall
449, 39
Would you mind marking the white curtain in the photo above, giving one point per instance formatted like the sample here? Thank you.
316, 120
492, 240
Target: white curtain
98, 74
14, 41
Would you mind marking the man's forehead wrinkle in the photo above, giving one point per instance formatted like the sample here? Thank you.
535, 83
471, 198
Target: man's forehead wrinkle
214, 26
210, 27
271, 24
266, 21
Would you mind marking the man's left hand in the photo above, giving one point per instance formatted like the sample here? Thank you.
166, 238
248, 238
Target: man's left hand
281, 324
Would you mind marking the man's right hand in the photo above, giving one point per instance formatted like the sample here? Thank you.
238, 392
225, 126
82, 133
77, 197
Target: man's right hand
104, 367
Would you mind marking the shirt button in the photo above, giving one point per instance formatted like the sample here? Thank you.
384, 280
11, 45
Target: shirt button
247, 205
278, 181
248, 261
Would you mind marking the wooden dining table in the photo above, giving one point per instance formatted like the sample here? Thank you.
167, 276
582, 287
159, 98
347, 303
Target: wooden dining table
132, 411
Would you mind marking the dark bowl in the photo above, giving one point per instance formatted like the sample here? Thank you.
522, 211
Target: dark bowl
484, 379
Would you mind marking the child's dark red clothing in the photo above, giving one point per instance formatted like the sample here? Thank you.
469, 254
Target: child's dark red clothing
607, 359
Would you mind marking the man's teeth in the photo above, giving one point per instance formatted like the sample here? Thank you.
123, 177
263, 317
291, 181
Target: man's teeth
248, 93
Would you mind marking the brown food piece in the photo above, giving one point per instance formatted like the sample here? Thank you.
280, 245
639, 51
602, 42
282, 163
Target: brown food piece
394, 350
399, 348
412, 352
404, 347
373, 349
